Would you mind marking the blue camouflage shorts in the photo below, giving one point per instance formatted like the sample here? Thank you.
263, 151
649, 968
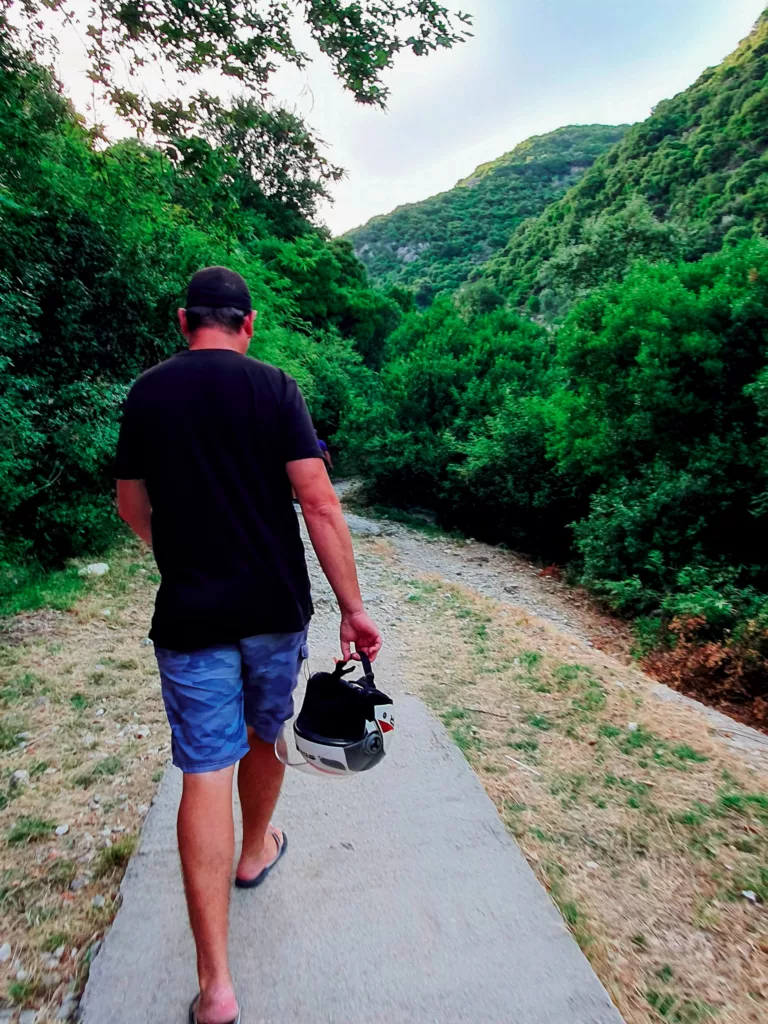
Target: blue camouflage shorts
211, 696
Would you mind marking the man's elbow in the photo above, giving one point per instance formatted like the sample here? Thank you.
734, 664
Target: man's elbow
320, 508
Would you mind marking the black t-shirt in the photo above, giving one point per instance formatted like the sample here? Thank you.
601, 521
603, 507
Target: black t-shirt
210, 432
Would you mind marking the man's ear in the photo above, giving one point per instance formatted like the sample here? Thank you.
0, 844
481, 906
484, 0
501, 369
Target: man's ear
248, 323
182, 313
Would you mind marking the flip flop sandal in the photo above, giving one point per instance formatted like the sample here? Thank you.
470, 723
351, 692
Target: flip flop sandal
251, 883
193, 1016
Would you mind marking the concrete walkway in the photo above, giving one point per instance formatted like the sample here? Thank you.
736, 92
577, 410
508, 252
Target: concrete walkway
401, 900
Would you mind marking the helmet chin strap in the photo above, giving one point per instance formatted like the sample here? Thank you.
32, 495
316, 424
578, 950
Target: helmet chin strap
342, 670
367, 668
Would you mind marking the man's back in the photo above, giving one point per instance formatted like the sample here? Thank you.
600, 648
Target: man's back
211, 431
210, 446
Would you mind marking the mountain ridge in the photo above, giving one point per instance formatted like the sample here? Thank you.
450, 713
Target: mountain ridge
433, 246
689, 179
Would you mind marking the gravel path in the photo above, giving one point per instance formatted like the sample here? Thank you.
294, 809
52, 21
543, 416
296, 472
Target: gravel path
496, 573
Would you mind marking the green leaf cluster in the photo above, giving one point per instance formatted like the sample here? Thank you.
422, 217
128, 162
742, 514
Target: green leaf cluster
246, 41
632, 441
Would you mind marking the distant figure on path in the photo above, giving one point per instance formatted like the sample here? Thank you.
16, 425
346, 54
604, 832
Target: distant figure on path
326, 454
210, 445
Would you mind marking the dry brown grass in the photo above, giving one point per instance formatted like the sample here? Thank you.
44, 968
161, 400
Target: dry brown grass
82, 715
644, 828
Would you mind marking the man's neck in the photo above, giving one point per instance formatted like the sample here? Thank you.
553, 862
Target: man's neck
209, 337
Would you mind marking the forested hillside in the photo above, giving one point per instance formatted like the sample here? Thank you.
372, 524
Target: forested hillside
433, 246
624, 432
691, 178
96, 247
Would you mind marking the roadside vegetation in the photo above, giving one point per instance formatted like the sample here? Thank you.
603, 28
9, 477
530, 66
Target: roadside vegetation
83, 743
651, 837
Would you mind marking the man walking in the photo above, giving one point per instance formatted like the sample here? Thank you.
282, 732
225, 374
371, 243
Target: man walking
210, 446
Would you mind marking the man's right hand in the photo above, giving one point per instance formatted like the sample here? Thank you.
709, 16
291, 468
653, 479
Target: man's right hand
358, 628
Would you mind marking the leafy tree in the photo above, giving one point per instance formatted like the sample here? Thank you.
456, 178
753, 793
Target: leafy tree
247, 41
280, 156
96, 247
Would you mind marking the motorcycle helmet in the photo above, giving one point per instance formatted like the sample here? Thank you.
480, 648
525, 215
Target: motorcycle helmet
344, 725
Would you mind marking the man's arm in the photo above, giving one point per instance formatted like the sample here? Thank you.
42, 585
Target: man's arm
134, 507
330, 538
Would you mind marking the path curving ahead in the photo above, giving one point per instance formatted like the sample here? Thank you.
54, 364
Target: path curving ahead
402, 900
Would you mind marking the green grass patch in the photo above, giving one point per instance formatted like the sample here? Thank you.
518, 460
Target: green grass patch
686, 753
671, 1008
28, 830
107, 766
751, 804
461, 730
22, 687
23, 992
754, 880
9, 732
115, 857
638, 739
609, 731
574, 917
28, 587
566, 674
79, 701
530, 660
528, 745
539, 722
591, 701
54, 940
466, 738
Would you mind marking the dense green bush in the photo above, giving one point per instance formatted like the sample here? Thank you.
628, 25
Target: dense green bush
631, 441
96, 247
660, 419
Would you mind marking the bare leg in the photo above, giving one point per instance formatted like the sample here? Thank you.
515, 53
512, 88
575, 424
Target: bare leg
259, 779
207, 846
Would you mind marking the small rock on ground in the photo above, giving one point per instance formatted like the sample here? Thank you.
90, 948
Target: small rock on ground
68, 1008
94, 569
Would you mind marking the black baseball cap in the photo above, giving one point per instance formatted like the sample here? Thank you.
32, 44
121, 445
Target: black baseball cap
218, 288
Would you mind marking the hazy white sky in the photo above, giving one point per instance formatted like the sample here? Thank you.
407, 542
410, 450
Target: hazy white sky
532, 66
